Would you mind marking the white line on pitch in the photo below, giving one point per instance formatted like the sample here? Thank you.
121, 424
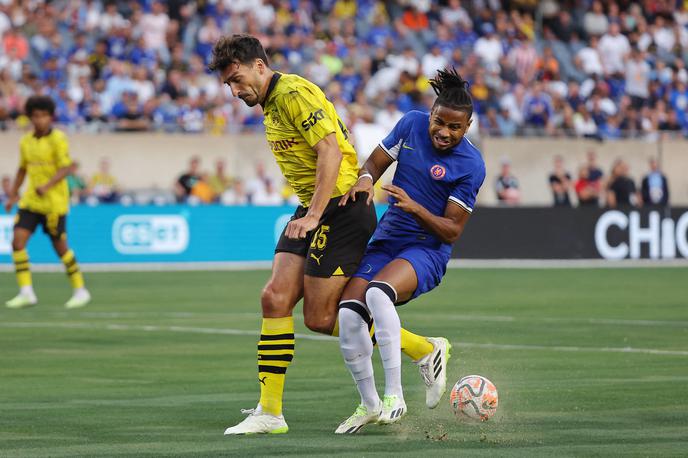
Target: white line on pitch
512, 319
242, 332
486, 318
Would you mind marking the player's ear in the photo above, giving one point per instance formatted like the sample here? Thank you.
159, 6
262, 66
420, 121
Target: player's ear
260, 65
468, 124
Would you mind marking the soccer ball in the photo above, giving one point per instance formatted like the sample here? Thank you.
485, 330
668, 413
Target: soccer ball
475, 397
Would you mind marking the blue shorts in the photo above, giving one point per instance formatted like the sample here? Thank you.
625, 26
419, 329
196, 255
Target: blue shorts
430, 264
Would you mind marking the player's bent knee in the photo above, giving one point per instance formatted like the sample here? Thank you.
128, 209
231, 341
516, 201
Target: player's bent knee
275, 303
358, 308
322, 323
18, 245
349, 322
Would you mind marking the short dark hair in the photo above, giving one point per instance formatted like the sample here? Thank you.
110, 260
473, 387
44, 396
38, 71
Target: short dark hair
452, 91
39, 102
242, 49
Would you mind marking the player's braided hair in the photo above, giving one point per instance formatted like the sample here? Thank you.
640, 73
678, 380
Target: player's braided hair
242, 49
452, 91
39, 102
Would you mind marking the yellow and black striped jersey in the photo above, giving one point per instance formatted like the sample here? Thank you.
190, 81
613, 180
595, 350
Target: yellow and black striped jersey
42, 157
297, 116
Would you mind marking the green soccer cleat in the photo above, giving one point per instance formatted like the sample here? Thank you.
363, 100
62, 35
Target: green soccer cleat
393, 408
361, 417
21, 301
79, 299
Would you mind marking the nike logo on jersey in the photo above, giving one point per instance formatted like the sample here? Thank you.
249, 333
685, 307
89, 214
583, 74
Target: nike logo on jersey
317, 258
404, 145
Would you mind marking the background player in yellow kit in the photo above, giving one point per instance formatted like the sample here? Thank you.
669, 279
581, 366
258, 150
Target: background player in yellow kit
44, 159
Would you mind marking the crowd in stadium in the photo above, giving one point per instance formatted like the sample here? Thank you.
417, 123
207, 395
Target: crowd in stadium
570, 68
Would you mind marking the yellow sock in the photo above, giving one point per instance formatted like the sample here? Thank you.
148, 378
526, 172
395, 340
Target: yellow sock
275, 352
414, 345
335, 330
72, 268
21, 267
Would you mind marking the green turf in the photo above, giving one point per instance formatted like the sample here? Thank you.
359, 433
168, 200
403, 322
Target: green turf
147, 370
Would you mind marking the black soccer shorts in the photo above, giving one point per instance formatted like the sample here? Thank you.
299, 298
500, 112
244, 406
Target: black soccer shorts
336, 246
54, 225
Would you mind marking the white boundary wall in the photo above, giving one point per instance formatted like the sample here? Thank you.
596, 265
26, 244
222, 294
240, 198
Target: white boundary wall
155, 160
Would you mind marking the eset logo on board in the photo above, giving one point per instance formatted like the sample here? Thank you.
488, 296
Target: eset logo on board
6, 228
150, 234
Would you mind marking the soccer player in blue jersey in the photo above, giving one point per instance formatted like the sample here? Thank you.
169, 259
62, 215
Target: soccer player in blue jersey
438, 175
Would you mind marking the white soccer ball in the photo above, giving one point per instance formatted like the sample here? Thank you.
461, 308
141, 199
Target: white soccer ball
475, 397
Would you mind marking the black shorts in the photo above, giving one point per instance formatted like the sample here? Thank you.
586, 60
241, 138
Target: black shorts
54, 225
336, 246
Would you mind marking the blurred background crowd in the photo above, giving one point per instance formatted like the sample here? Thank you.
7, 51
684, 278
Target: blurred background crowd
570, 68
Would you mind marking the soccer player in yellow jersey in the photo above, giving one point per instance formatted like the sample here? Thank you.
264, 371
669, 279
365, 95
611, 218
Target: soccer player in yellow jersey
44, 159
322, 245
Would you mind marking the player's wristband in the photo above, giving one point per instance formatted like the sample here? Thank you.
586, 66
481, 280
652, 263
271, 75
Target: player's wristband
365, 175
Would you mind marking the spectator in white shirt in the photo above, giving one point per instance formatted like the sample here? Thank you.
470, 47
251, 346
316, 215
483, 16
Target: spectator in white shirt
637, 78
433, 61
588, 58
154, 26
613, 49
388, 117
268, 196
583, 123
595, 22
455, 14
488, 47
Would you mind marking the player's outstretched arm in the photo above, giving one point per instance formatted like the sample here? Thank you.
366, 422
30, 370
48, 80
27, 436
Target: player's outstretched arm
447, 228
14, 193
376, 165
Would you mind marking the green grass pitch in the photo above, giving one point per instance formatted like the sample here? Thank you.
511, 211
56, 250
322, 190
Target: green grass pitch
587, 363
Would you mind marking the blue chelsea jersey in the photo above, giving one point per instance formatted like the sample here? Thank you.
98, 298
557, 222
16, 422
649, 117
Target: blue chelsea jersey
429, 177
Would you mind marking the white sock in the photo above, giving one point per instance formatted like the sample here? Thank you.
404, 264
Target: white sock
357, 350
27, 291
388, 335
